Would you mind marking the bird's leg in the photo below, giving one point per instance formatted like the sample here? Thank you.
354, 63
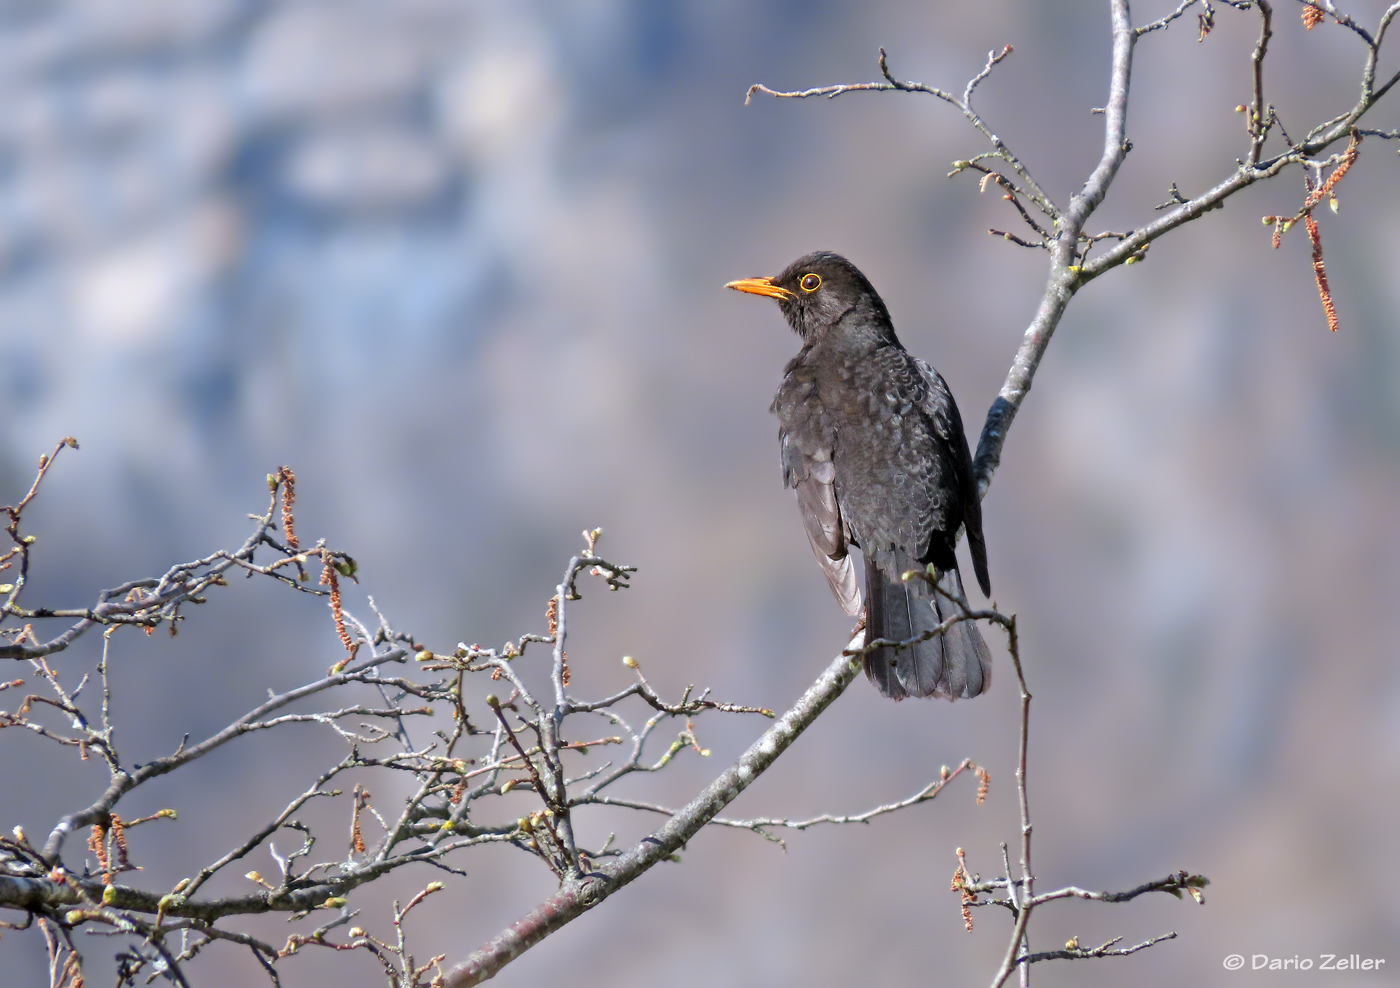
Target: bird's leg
859, 635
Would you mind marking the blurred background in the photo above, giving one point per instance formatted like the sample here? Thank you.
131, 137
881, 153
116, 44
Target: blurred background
461, 266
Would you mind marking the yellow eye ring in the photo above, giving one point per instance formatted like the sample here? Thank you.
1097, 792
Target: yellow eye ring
810, 282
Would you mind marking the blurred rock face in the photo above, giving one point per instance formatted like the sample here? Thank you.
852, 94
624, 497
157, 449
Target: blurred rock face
460, 265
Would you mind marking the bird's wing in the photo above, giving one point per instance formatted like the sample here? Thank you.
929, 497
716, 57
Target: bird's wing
942, 411
812, 476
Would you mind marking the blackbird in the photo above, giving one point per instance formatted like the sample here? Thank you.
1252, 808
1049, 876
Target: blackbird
872, 444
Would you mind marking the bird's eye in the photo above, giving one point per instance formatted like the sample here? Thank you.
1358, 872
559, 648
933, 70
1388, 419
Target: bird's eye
811, 282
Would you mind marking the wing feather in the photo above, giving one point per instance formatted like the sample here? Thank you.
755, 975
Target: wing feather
942, 410
813, 478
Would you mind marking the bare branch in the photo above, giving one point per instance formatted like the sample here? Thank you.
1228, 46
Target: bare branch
760, 824
1064, 278
1172, 885
1067, 277
1081, 953
1258, 122
1034, 191
577, 897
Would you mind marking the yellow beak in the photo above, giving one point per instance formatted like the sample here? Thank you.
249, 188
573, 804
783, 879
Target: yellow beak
761, 286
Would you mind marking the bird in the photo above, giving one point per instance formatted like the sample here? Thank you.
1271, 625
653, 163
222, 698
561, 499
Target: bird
871, 442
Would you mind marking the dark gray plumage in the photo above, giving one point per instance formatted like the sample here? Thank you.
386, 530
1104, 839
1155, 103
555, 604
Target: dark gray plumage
873, 445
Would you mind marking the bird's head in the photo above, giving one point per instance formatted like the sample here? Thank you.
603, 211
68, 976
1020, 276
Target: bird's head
816, 290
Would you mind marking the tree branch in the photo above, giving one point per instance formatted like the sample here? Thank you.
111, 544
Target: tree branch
1064, 277
578, 896
1082, 953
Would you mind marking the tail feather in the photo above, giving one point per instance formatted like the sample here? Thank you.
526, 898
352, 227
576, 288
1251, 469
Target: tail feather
978, 547
953, 665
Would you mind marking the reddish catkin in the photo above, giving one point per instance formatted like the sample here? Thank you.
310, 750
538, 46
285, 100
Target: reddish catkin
97, 844
329, 578
966, 898
289, 498
459, 790
1343, 166
984, 783
72, 969
119, 839
357, 840
1324, 291
1312, 17
1281, 225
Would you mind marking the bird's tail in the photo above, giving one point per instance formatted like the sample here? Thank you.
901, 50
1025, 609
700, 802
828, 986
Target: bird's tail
953, 665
